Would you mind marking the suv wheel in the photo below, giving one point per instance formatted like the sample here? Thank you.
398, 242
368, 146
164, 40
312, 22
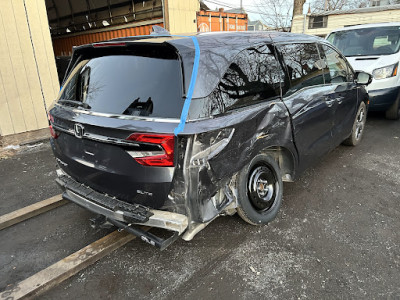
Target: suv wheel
393, 113
358, 127
260, 188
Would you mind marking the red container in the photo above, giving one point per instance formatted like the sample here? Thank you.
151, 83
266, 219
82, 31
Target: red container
221, 21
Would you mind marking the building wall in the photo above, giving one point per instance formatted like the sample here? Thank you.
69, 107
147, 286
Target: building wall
340, 21
28, 75
181, 15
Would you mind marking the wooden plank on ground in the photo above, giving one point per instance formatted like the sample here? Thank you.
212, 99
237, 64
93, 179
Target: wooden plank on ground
62, 270
31, 211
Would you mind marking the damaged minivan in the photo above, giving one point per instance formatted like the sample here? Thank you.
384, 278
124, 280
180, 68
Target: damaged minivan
174, 131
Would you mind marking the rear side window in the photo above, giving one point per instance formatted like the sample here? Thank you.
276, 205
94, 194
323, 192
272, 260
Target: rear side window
304, 65
254, 76
126, 85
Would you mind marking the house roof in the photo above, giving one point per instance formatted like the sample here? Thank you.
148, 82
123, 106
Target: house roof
357, 10
254, 22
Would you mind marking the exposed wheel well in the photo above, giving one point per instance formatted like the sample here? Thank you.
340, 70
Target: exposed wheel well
285, 160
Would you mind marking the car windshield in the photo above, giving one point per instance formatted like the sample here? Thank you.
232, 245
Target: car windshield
126, 85
367, 41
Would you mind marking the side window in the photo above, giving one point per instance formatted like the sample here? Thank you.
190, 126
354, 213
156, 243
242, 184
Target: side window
304, 65
338, 70
254, 76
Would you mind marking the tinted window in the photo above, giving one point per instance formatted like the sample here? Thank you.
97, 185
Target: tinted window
128, 85
304, 65
337, 69
254, 76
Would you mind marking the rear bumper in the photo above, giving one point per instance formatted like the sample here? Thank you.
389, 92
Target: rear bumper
381, 100
118, 210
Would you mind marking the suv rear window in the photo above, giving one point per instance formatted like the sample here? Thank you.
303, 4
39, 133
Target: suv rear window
126, 85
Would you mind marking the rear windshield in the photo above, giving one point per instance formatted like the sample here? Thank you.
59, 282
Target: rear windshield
367, 41
126, 85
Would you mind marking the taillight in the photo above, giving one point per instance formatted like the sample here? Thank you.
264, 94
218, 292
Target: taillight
162, 158
53, 132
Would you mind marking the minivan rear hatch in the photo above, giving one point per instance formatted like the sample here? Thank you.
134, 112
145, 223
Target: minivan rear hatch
113, 121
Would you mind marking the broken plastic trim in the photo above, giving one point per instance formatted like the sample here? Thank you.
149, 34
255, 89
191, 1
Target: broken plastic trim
156, 218
221, 141
192, 84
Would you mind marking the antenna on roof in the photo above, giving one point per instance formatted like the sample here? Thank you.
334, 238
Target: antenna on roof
158, 30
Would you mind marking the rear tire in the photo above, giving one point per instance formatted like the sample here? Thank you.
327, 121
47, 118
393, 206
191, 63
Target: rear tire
260, 187
393, 113
358, 127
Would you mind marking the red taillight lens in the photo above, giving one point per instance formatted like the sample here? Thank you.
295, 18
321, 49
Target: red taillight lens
167, 142
53, 133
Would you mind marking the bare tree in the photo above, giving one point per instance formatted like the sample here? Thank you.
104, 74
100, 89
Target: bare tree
276, 13
330, 5
298, 7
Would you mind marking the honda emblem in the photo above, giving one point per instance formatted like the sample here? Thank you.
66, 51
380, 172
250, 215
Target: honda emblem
78, 130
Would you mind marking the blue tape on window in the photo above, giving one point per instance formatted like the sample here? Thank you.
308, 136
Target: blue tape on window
189, 95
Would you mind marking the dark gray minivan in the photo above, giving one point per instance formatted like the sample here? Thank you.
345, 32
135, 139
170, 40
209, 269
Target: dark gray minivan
173, 131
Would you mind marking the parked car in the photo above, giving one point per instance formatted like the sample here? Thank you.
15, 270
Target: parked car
172, 131
374, 48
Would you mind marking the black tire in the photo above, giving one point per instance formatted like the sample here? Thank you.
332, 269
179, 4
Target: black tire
357, 131
393, 113
260, 188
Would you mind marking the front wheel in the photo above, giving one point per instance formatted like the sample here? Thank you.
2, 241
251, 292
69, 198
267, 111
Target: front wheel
358, 127
260, 187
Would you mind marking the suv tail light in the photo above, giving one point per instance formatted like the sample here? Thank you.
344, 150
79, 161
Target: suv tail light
162, 158
53, 132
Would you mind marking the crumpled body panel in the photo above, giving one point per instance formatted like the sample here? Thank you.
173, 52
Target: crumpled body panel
217, 148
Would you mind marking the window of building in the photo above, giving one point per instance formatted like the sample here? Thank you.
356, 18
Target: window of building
318, 22
376, 3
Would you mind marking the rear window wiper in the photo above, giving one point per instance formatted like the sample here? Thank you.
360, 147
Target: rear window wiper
75, 103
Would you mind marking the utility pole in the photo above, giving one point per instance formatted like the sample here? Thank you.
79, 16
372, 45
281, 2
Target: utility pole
241, 6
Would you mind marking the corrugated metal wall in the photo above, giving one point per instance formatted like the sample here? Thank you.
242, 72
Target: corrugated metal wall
221, 21
63, 45
28, 75
181, 18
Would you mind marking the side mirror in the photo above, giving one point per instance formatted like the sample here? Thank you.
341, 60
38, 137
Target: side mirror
363, 78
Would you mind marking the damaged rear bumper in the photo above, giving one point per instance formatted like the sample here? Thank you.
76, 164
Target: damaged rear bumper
120, 211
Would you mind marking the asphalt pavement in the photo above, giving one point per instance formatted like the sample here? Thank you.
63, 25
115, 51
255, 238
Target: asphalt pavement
336, 236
